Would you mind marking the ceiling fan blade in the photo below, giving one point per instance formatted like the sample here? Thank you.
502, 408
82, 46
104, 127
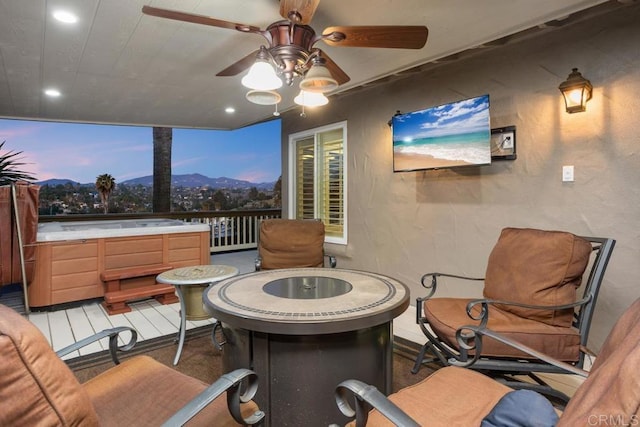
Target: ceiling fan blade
298, 11
198, 19
391, 36
239, 66
336, 72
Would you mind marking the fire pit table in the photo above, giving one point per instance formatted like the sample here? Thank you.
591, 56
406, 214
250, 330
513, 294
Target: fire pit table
305, 330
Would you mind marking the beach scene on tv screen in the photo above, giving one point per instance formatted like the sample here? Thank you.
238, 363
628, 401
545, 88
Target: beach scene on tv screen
449, 135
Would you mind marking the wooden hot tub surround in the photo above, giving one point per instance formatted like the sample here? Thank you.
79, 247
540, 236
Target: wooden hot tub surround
121, 268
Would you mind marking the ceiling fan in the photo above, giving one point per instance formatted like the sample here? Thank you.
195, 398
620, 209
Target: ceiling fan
290, 44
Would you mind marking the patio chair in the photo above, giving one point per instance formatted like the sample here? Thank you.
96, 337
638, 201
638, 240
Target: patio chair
531, 290
291, 243
38, 388
455, 396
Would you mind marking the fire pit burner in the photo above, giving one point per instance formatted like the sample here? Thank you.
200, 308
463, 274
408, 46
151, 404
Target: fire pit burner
312, 287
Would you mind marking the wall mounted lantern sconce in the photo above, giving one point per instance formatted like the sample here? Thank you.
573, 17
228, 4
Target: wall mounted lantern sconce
576, 91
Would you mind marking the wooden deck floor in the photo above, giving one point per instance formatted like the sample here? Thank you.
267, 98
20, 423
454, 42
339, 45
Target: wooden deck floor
149, 318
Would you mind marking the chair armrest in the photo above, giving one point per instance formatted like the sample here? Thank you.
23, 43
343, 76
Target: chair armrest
469, 338
230, 383
367, 397
113, 334
431, 286
332, 260
483, 315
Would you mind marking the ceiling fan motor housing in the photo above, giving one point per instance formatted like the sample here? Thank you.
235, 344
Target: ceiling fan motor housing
290, 46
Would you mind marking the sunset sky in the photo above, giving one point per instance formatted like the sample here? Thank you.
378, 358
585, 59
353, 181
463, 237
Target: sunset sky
81, 152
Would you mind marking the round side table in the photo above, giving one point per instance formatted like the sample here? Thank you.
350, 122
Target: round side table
190, 282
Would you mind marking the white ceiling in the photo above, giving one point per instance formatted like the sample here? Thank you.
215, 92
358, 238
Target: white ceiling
117, 65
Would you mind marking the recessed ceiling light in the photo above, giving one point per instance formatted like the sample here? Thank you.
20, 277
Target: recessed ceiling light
54, 93
65, 16
230, 110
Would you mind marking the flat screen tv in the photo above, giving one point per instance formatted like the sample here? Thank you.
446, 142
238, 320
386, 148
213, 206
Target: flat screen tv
447, 136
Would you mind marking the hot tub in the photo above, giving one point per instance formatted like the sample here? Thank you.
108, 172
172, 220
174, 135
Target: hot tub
73, 230
71, 256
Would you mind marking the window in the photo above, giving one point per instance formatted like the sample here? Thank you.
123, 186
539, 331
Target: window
318, 178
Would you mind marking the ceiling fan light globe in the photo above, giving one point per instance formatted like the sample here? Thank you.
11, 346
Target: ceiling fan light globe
261, 76
318, 79
263, 97
311, 99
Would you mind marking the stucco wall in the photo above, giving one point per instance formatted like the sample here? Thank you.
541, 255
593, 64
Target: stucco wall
407, 224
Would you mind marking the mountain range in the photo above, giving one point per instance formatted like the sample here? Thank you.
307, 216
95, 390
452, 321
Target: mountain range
187, 180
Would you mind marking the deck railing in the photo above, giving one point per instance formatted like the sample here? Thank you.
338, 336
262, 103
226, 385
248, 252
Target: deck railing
230, 230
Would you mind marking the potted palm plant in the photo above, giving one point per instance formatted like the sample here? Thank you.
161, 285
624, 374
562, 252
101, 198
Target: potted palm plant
9, 167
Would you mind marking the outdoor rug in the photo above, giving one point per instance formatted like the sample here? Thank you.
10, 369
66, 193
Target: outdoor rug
200, 359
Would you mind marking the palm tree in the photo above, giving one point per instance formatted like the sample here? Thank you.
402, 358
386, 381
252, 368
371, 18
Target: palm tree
277, 192
105, 184
162, 141
8, 167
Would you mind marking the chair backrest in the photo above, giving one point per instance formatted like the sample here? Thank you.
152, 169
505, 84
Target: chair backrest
568, 255
537, 267
291, 243
36, 387
611, 393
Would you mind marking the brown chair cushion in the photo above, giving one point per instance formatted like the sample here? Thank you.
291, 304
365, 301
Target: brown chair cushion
434, 402
291, 243
612, 389
143, 391
36, 387
446, 315
537, 267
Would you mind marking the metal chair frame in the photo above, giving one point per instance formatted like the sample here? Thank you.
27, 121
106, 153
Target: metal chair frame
504, 369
